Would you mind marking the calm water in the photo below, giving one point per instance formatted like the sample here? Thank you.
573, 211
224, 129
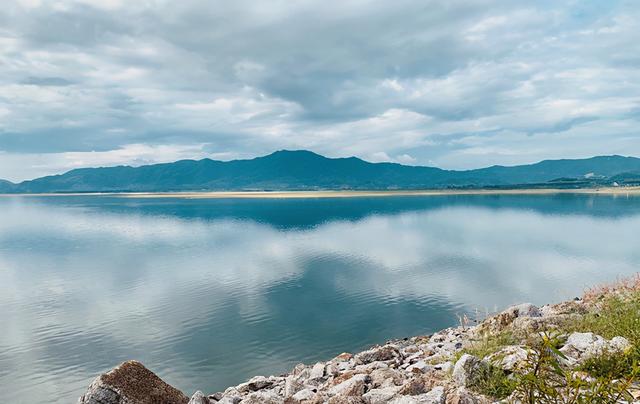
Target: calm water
210, 292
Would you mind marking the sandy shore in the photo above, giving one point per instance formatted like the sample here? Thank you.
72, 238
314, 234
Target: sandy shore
348, 194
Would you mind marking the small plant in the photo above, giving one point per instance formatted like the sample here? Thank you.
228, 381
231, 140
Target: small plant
493, 382
545, 381
613, 366
490, 343
617, 316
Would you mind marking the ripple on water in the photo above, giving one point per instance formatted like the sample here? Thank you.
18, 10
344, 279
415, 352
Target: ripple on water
206, 296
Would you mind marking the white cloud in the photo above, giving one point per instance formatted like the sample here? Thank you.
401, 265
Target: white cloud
524, 80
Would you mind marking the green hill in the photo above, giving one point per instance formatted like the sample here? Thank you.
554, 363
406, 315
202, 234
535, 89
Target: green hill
305, 170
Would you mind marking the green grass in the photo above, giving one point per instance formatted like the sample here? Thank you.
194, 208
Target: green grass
619, 315
493, 382
613, 366
546, 380
488, 344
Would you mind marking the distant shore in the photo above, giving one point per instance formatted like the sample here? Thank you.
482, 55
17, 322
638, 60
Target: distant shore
349, 193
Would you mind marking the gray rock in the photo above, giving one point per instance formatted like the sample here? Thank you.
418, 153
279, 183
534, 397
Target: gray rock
387, 377
463, 396
292, 385
216, 396
420, 366
404, 400
383, 353
317, 372
581, 346
370, 367
446, 367
263, 397
230, 400
525, 310
258, 383
466, 370
414, 357
619, 344
436, 396
304, 394
131, 382
380, 396
199, 398
509, 358
355, 386
332, 369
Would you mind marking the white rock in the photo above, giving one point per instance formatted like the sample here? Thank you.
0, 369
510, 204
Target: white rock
437, 395
332, 369
230, 400
354, 386
581, 346
370, 367
380, 396
292, 385
263, 397
509, 358
387, 378
198, 398
404, 400
317, 372
305, 394
414, 357
446, 367
419, 366
619, 344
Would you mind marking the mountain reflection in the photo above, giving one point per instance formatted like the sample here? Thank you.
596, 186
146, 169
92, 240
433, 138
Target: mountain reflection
210, 292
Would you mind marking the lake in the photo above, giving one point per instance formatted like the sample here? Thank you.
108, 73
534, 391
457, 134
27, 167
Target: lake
209, 292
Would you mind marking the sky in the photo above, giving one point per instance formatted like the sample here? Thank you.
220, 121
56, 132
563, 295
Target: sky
455, 84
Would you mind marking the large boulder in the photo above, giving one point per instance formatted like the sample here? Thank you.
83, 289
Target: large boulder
131, 383
581, 346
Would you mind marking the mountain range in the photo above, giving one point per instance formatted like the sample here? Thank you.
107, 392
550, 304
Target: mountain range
305, 170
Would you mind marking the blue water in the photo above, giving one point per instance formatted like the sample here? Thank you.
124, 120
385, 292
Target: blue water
208, 293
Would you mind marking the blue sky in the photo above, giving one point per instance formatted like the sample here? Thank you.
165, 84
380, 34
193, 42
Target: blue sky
454, 84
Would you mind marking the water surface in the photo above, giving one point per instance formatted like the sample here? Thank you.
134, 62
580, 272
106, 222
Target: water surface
210, 292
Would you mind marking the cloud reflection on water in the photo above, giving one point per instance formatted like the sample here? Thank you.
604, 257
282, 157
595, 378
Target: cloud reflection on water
207, 301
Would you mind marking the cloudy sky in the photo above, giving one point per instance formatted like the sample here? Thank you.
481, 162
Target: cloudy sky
455, 84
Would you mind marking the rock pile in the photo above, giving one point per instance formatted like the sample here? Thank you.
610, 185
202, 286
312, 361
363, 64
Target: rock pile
421, 369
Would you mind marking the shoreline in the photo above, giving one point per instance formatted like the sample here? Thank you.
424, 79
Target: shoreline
342, 194
484, 361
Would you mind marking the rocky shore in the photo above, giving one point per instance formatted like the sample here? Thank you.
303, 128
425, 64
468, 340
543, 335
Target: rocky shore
493, 360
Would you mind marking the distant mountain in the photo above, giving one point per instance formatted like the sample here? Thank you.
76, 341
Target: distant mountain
6, 186
629, 178
305, 170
